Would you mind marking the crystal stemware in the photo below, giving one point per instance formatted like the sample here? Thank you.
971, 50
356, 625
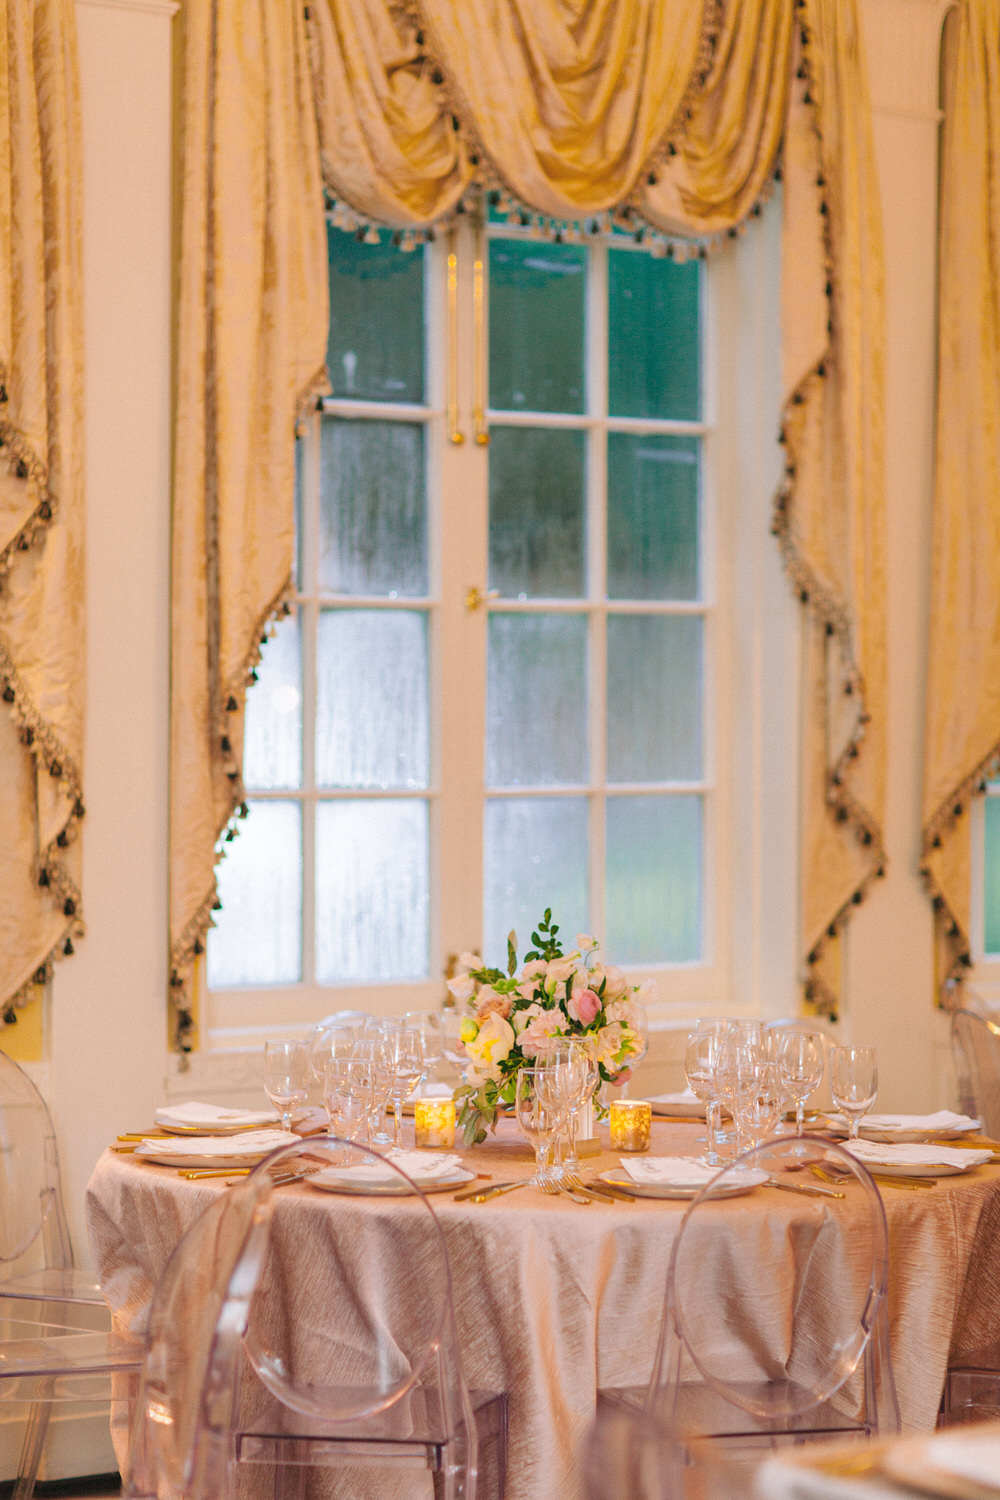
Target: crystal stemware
853, 1082
539, 1116
407, 1055
701, 1069
800, 1065
286, 1077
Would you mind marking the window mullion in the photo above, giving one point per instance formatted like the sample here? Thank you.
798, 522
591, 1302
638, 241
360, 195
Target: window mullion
597, 405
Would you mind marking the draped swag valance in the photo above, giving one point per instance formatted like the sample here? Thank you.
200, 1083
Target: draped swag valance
41, 495
660, 113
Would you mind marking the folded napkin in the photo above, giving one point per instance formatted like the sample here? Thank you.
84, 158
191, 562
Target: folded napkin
421, 1166
685, 1103
679, 1171
431, 1090
207, 1115
942, 1119
872, 1153
249, 1143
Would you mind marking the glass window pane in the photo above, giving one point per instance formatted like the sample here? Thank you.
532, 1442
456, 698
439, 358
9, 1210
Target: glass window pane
536, 700
257, 937
991, 876
372, 891
272, 735
654, 698
536, 326
373, 508
654, 880
653, 516
372, 725
375, 350
654, 348
535, 856
537, 513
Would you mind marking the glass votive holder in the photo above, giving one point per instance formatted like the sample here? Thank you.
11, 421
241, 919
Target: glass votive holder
434, 1124
631, 1120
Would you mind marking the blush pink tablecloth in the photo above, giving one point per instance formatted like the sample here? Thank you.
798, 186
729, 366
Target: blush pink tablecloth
554, 1300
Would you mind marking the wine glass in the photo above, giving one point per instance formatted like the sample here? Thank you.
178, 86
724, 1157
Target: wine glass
373, 1076
538, 1114
572, 1074
853, 1082
407, 1055
800, 1065
346, 1096
701, 1069
286, 1077
334, 1037
427, 1024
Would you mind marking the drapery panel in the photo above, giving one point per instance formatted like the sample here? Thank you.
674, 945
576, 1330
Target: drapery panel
252, 328
652, 112
41, 494
962, 735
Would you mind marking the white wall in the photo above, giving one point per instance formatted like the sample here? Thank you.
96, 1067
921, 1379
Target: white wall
106, 1063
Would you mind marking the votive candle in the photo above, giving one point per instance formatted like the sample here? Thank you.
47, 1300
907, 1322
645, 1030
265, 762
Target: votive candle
434, 1123
631, 1120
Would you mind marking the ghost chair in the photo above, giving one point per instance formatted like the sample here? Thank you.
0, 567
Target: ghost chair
975, 1041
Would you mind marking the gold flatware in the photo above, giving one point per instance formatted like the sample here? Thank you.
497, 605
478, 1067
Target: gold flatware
481, 1195
470, 1192
609, 1190
195, 1174
571, 1192
906, 1184
812, 1190
143, 1135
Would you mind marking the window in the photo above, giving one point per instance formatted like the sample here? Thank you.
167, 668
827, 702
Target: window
513, 677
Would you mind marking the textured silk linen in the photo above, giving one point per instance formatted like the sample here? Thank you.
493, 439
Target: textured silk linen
252, 327
41, 490
553, 1300
963, 685
675, 112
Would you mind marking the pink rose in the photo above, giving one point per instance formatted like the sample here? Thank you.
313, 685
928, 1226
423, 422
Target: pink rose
492, 1003
623, 1076
583, 1006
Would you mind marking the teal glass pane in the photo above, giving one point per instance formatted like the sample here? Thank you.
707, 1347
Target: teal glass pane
372, 891
654, 337
991, 876
654, 876
272, 733
373, 509
536, 700
654, 698
372, 713
535, 855
257, 937
654, 487
536, 299
375, 350
538, 506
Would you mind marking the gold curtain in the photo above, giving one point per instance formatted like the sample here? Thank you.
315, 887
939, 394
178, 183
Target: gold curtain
41, 494
962, 736
252, 325
657, 112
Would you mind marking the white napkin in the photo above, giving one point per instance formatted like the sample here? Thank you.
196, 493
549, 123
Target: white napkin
679, 1171
250, 1143
207, 1115
421, 1166
874, 1154
942, 1119
684, 1103
974, 1456
431, 1090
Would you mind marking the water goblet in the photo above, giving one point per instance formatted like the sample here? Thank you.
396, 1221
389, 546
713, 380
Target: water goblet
286, 1077
800, 1064
582, 1076
539, 1116
407, 1055
701, 1069
853, 1082
374, 1074
346, 1096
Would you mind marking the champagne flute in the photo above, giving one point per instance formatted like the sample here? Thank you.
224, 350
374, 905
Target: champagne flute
286, 1077
800, 1063
853, 1082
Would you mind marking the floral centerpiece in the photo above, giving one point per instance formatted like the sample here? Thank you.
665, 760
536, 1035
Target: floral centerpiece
511, 1016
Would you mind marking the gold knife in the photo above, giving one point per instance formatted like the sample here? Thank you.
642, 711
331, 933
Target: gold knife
480, 1195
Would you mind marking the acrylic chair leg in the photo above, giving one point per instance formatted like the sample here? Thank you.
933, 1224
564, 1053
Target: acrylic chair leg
31, 1450
290, 1481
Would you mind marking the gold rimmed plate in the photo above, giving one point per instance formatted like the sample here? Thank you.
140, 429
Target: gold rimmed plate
348, 1180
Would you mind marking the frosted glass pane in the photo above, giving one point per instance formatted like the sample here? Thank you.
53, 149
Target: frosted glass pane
654, 880
535, 856
536, 700
257, 938
991, 876
654, 345
654, 698
537, 510
653, 516
272, 734
373, 511
372, 724
536, 300
376, 344
372, 891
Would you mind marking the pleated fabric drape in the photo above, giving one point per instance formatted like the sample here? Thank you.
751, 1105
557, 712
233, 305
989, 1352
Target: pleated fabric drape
962, 736
42, 675
655, 112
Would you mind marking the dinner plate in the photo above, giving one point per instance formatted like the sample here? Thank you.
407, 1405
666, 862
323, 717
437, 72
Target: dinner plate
209, 1161
678, 1106
911, 1169
343, 1180
748, 1180
910, 1137
213, 1129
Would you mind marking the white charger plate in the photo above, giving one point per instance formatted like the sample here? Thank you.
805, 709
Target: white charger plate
914, 1169
343, 1180
216, 1129
678, 1107
209, 1161
911, 1137
752, 1178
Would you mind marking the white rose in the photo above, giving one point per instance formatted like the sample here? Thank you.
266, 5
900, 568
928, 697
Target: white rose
615, 982
558, 970
462, 988
608, 1043
492, 1043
